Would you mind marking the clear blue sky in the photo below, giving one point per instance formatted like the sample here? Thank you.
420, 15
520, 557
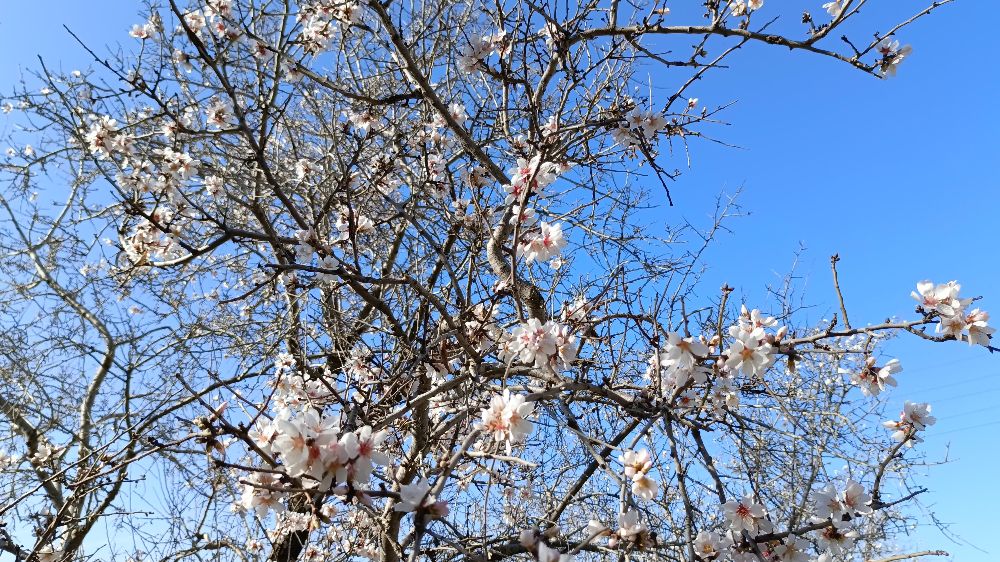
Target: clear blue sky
899, 177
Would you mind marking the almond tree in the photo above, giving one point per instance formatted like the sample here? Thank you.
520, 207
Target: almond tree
332, 280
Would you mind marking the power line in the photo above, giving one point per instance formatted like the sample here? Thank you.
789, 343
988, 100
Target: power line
967, 428
954, 382
968, 413
966, 395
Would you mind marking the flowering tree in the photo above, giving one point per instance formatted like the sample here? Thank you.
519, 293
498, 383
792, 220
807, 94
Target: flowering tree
333, 280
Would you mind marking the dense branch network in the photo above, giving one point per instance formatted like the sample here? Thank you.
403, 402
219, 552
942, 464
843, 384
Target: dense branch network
377, 279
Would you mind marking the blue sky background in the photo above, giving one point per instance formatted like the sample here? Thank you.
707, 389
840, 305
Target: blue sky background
900, 177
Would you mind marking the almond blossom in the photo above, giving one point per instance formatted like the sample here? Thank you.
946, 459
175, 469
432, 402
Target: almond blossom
914, 417
416, 497
644, 487
551, 345
979, 332
682, 353
872, 379
743, 514
855, 500
827, 504
793, 549
748, 355
635, 462
834, 8
506, 418
709, 545
953, 320
630, 528
892, 55
545, 244
837, 540
261, 494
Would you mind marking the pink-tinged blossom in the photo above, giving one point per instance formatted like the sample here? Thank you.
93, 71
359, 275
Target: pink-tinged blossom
545, 244
837, 540
855, 500
532, 175
142, 31
872, 379
827, 504
914, 417
506, 418
361, 448
551, 345
525, 217
533, 342
219, 114
195, 21
566, 346
979, 332
180, 165
892, 55
743, 514
941, 298
219, 8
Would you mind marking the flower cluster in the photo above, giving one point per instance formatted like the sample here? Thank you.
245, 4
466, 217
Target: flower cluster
103, 138
830, 503
478, 48
179, 165
892, 55
679, 361
148, 241
639, 127
506, 418
872, 379
532, 175
550, 345
314, 447
543, 244
916, 416
631, 530
741, 8
752, 352
955, 320
637, 466
319, 20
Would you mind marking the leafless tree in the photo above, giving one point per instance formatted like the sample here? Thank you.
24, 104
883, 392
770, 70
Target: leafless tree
327, 280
